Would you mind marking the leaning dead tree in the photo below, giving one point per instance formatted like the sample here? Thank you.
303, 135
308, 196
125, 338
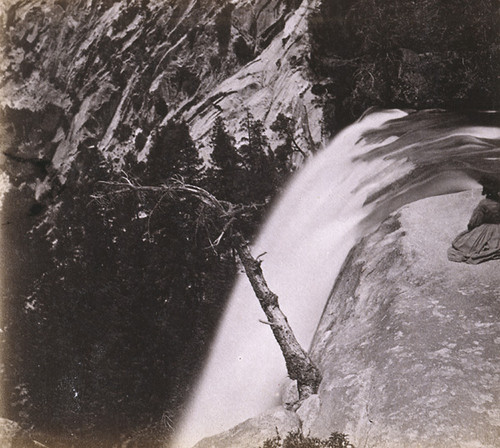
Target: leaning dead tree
298, 363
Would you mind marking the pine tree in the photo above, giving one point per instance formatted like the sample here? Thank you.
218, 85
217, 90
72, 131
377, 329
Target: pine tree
173, 153
284, 127
258, 160
224, 155
120, 317
226, 174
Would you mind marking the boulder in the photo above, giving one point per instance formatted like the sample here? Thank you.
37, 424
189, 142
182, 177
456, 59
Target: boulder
253, 432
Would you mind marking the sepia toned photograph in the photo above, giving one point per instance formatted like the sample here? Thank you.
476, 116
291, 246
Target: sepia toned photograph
249, 224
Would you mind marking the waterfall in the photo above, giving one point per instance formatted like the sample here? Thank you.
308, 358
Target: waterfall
385, 160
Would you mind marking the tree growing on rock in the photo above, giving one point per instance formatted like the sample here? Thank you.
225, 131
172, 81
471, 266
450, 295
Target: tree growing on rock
284, 128
225, 176
258, 160
173, 153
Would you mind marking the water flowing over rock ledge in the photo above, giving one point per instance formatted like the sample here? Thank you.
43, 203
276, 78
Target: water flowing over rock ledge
407, 343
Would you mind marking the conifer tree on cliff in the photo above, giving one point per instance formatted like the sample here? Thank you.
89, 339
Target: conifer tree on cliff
258, 160
284, 128
225, 176
113, 287
173, 153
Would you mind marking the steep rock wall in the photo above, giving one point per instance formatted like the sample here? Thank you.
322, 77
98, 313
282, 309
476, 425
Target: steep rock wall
13, 436
109, 74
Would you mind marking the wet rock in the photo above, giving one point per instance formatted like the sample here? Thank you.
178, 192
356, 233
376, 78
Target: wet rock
289, 394
308, 411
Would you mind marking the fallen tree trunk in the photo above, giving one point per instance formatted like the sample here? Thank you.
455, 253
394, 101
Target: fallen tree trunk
298, 363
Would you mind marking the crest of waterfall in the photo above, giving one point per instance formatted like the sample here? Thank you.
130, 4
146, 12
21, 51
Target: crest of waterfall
385, 160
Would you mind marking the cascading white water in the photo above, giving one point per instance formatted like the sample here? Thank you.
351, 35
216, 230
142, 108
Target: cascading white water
305, 240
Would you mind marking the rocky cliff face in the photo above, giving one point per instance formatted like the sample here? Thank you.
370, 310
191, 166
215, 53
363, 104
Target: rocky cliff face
407, 341
108, 74
13, 436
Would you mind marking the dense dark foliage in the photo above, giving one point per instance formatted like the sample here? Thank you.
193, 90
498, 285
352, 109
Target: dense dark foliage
248, 174
403, 53
299, 440
126, 292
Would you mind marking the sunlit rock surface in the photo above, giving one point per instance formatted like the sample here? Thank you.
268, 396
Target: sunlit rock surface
109, 74
253, 432
13, 436
408, 342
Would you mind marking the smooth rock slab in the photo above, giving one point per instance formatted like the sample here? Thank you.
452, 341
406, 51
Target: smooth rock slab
253, 432
409, 342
